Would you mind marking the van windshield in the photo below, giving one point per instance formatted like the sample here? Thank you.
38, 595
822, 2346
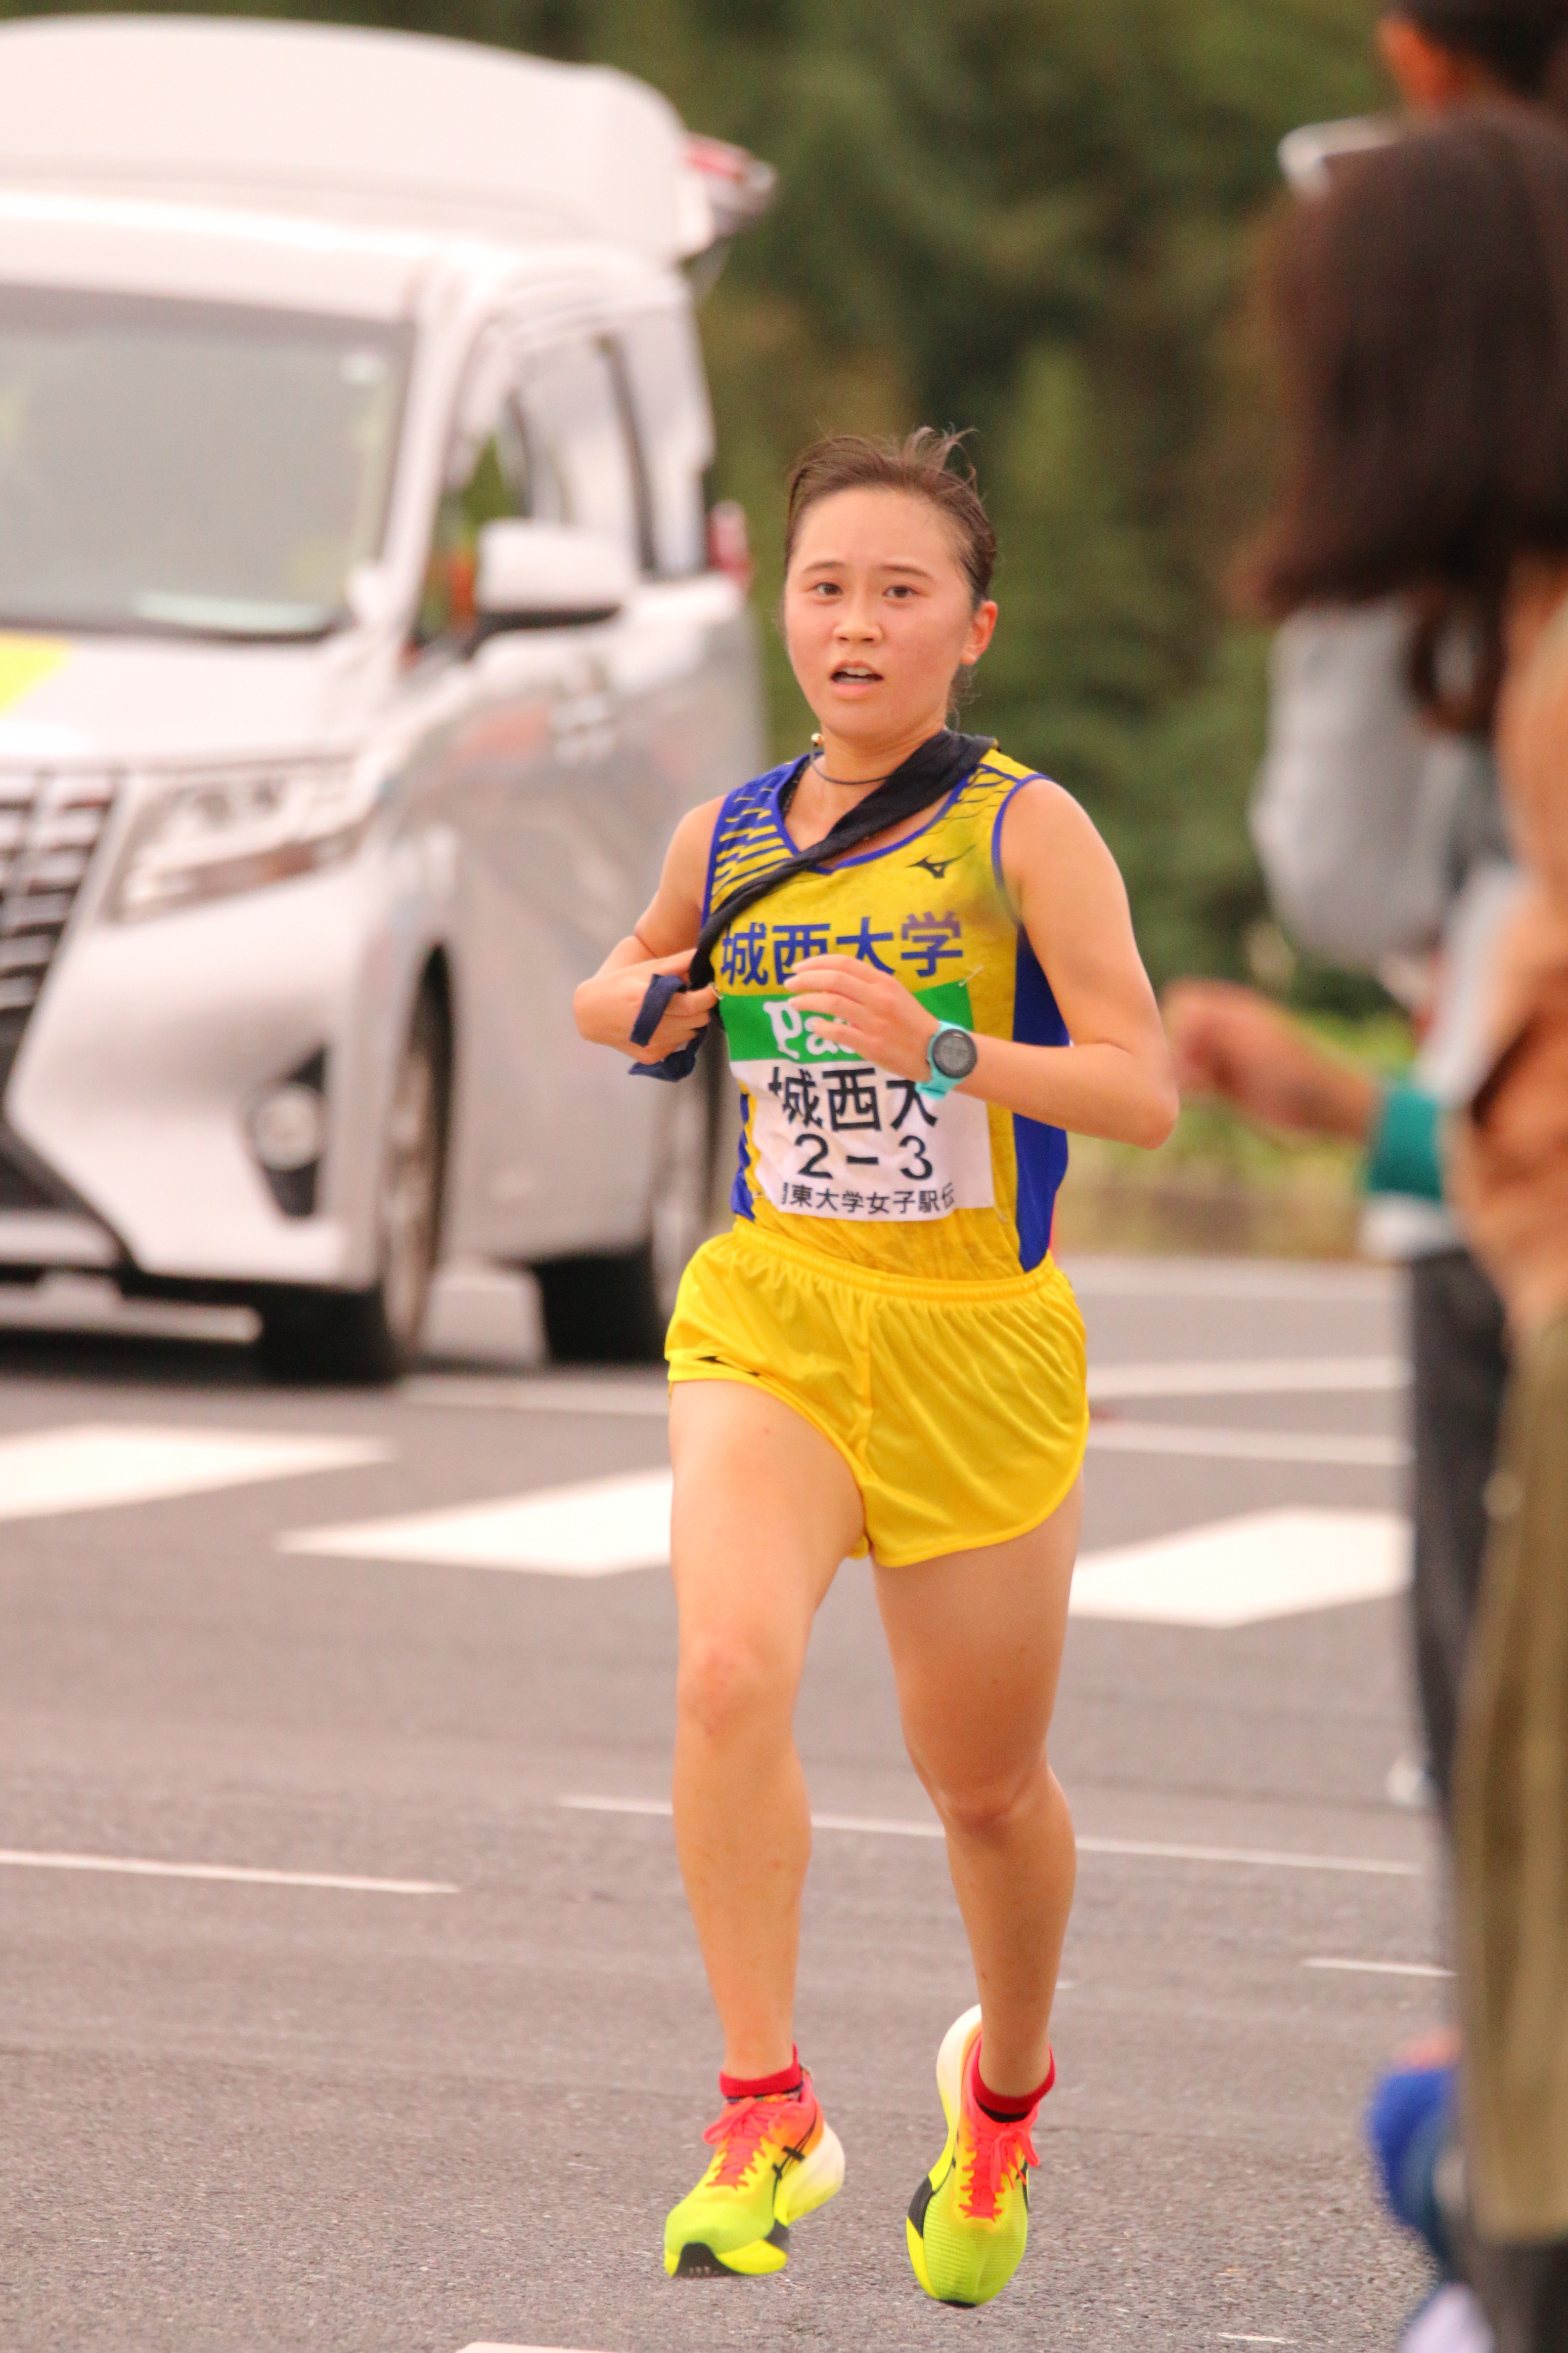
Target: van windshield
194, 468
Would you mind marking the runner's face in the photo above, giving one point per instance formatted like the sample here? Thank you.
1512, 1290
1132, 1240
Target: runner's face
879, 615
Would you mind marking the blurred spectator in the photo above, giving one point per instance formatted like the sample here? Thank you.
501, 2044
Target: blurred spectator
1236, 1045
1422, 312
1381, 839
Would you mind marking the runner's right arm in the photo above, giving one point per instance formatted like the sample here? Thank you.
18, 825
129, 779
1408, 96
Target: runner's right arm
665, 940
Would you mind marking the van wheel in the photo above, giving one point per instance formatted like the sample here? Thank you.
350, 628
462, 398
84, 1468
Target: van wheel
371, 1336
602, 1308
612, 1307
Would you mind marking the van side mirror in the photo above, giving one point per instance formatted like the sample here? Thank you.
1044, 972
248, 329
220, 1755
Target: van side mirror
547, 575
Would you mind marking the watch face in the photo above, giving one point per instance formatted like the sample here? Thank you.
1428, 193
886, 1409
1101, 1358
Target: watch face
954, 1053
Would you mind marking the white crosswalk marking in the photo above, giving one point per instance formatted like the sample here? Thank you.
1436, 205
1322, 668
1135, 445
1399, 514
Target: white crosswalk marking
1235, 1573
1240, 1572
595, 1529
90, 1466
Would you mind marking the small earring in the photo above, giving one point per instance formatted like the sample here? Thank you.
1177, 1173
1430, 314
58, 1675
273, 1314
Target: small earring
817, 740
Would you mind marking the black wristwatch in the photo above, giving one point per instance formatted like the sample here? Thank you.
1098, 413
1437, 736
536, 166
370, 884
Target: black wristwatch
951, 1056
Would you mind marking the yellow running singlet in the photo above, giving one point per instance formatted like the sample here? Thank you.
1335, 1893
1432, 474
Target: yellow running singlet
851, 1161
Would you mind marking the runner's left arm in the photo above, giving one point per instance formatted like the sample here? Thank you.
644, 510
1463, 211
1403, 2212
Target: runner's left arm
665, 940
1115, 1078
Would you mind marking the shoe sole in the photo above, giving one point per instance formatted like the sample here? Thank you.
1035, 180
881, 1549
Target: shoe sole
950, 2061
803, 2189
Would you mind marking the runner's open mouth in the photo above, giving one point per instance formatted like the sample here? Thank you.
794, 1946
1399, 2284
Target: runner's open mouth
857, 674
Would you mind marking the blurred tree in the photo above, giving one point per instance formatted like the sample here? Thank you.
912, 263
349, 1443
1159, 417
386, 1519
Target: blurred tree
1035, 219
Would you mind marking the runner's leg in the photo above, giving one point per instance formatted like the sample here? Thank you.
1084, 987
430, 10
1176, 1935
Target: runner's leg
976, 1640
765, 1509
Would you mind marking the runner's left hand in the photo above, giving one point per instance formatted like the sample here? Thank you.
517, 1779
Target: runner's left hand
869, 1012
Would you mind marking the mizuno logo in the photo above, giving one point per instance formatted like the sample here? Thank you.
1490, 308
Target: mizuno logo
937, 867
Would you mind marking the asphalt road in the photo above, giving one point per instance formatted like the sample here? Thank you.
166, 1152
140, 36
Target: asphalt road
451, 2110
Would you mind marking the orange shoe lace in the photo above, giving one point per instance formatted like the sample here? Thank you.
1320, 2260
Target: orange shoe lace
999, 2151
742, 2129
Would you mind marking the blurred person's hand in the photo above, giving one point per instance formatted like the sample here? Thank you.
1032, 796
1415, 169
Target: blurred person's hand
1431, 76
1533, 726
1233, 1044
1533, 751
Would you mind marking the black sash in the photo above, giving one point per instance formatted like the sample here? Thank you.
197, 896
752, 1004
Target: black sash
929, 774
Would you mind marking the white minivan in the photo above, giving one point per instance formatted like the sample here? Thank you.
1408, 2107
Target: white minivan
360, 646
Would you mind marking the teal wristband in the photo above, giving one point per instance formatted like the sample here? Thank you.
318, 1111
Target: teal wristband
1403, 1156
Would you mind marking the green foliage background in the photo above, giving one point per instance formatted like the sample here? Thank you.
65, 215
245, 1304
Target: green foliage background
1033, 218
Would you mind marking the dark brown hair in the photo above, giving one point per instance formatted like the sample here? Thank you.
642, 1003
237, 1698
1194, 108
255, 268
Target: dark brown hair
1420, 312
919, 464
1518, 40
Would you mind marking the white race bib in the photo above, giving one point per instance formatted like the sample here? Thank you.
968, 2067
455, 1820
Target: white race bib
833, 1136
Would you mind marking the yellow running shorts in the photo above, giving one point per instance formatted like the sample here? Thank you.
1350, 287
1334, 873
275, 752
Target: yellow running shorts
961, 1408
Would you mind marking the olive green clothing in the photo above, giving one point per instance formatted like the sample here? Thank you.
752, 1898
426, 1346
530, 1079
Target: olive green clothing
1511, 1826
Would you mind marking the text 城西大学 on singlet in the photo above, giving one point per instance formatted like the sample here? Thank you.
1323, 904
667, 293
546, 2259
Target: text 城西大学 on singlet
844, 1157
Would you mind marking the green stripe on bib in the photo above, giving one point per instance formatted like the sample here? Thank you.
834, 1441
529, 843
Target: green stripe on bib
773, 1028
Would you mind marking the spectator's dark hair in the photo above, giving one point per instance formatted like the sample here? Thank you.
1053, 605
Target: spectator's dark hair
1520, 41
918, 465
1420, 312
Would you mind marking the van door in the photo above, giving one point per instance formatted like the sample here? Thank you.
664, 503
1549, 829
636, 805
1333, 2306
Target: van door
569, 850
502, 729
691, 691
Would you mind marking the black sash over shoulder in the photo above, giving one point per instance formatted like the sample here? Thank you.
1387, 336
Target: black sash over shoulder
929, 774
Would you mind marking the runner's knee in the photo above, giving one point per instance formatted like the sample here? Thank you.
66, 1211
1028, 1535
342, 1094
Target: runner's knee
731, 1684
985, 1805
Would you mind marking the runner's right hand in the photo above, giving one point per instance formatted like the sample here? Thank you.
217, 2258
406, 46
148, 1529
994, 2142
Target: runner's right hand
607, 1005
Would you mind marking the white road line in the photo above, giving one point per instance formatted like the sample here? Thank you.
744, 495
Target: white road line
647, 1398
516, 2348
1243, 1376
1382, 1968
658, 1806
89, 1466
1254, 1858
1243, 1571
1227, 2337
1247, 1445
596, 1528
1135, 1278
1145, 1850
134, 1867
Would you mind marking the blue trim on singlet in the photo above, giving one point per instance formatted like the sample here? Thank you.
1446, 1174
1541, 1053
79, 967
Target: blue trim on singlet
740, 1196
1034, 778
755, 798
1041, 1152
867, 857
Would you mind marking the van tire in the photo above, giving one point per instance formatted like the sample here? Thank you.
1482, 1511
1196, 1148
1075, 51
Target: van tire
342, 1338
367, 1338
602, 1308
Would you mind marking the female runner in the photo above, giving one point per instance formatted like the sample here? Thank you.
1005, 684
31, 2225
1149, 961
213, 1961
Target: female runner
881, 1355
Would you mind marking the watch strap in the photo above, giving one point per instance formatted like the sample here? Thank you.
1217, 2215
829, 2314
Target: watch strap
937, 1083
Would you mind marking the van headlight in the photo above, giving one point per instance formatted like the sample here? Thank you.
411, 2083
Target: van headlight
215, 831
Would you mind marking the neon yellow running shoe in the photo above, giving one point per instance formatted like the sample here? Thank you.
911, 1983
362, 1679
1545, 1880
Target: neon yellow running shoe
775, 2159
969, 2220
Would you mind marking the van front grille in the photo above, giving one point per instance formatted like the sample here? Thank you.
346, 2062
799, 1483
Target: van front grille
50, 822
